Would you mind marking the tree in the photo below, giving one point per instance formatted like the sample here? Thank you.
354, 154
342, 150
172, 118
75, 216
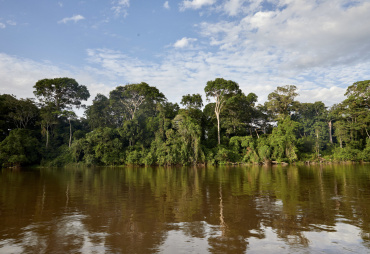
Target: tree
102, 146
63, 93
24, 111
221, 90
331, 116
283, 140
100, 113
193, 101
357, 105
281, 102
19, 148
57, 95
353, 117
240, 115
70, 115
48, 120
359, 92
131, 97
6, 122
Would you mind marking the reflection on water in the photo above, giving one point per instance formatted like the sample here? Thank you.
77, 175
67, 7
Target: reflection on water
186, 210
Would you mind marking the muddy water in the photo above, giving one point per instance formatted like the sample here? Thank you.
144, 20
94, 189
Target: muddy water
186, 210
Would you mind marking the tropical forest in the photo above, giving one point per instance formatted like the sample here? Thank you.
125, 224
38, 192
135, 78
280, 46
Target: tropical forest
137, 125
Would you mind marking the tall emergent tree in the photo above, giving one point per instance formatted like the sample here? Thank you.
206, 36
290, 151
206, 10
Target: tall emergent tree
131, 97
281, 102
221, 90
357, 105
57, 95
63, 93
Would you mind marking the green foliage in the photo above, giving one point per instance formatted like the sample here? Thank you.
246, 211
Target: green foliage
283, 140
24, 112
264, 149
16, 113
225, 155
281, 101
193, 101
65, 157
63, 93
19, 148
134, 157
347, 154
170, 109
221, 90
101, 146
365, 156
129, 99
239, 114
100, 113
181, 145
245, 149
136, 125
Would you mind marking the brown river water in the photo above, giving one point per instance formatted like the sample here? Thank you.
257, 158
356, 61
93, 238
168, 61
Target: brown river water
282, 209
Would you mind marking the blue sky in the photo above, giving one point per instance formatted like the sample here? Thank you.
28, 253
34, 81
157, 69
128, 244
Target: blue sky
320, 46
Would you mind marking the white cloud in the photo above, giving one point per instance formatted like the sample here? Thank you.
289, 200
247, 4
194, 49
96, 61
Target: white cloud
195, 4
319, 46
120, 7
19, 75
303, 34
184, 42
74, 18
2, 26
233, 7
190, 70
166, 5
11, 22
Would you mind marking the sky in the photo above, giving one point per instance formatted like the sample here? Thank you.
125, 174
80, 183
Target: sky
321, 46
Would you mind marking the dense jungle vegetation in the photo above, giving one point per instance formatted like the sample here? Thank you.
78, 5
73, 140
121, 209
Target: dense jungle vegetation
137, 125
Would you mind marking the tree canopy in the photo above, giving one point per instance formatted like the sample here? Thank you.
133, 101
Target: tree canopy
281, 102
63, 93
131, 97
136, 124
220, 90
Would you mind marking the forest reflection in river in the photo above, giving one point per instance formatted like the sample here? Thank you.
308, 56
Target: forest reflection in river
293, 209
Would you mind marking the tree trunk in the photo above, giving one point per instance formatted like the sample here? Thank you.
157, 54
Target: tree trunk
47, 136
70, 134
330, 131
218, 127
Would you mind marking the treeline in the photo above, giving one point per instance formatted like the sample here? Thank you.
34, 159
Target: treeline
137, 125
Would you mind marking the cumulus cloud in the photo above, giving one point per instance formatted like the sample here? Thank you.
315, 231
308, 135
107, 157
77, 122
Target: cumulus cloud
303, 34
74, 18
195, 4
166, 5
19, 75
319, 46
190, 70
2, 26
233, 7
184, 42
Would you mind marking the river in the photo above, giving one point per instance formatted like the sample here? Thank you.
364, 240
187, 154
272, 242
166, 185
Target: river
279, 209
